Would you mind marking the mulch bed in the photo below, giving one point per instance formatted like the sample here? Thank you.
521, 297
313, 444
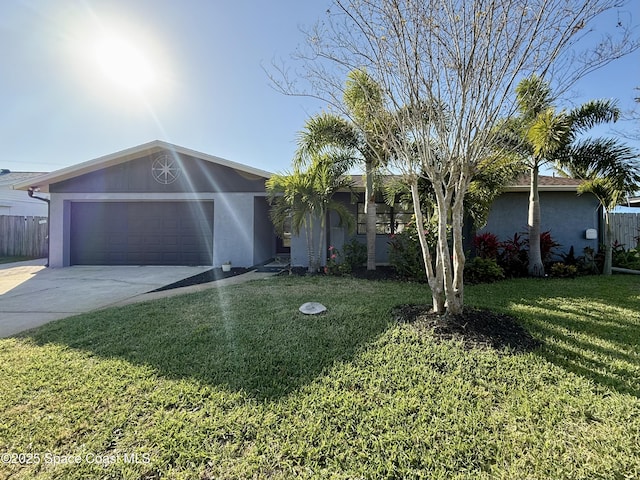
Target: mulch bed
476, 328
204, 277
380, 273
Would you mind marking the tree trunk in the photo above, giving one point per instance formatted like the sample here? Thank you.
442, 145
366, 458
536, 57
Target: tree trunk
444, 267
310, 245
608, 251
322, 241
370, 212
455, 303
435, 283
536, 267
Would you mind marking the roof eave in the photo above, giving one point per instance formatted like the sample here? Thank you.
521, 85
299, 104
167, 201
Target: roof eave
542, 188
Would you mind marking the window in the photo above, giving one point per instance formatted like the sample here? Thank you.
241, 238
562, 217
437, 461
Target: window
388, 219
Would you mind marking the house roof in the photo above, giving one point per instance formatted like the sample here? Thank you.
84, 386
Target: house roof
43, 181
545, 183
8, 178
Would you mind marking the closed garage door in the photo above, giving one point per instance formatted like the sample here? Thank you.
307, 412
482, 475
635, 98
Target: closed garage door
141, 233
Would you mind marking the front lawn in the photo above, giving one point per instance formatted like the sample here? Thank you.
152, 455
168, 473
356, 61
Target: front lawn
16, 259
236, 383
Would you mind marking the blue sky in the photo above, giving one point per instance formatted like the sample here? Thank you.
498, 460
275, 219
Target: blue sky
209, 91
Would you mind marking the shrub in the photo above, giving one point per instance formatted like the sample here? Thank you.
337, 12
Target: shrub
354, 255
547, 246
405, 254
562, 270
513, 257
486, 245
483, 270
588, 262
625, 258
333, 262
569, 258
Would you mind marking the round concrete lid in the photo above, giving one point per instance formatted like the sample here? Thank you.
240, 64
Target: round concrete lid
312, 308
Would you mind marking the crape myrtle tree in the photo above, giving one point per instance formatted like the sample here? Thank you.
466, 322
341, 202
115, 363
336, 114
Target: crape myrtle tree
448, 68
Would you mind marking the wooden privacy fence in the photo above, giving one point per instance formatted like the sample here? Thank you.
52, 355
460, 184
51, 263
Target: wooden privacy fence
625, 228
23, 236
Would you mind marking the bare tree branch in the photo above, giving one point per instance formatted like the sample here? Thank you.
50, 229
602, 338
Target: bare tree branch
448, 69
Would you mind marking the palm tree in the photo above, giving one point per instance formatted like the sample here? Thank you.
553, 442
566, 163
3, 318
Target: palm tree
541, 135
305, 197
357, 139
610, 172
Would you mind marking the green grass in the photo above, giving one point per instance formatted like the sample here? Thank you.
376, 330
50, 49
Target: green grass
15, 259
235, 383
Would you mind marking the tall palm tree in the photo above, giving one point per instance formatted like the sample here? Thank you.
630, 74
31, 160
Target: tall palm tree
610, 172
305, 197
541, 134
359, 139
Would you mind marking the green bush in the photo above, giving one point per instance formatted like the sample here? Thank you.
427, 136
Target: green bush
588, 263
625, 258
405, 253
483, 270
354, 255
562, 270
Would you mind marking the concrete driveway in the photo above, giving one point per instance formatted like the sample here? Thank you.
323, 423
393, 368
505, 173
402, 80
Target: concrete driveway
31, 294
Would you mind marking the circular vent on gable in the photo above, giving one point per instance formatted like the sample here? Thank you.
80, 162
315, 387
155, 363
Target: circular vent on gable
165, 169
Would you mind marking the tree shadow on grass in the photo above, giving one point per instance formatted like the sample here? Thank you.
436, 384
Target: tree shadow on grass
250, 343
592, 331
591, 347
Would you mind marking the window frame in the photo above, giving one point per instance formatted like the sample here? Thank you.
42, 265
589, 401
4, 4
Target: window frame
395, 223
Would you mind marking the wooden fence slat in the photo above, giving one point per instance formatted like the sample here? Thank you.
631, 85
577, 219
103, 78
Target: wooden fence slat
23, 236
625, 228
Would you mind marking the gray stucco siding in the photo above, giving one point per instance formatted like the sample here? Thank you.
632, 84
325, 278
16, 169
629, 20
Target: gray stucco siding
338, 235
234, 229
565, 214
195, 175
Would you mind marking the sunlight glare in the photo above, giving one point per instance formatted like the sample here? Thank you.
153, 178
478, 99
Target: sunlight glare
124, 63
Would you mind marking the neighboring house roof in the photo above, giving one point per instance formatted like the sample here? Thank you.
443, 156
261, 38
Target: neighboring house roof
123, 156
633, 202
8, 178
18, 203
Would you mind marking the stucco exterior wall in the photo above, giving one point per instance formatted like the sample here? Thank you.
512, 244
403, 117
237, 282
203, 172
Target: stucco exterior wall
566, 214
338, 235
233, 229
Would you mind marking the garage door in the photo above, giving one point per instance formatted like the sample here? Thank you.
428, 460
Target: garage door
141, 233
